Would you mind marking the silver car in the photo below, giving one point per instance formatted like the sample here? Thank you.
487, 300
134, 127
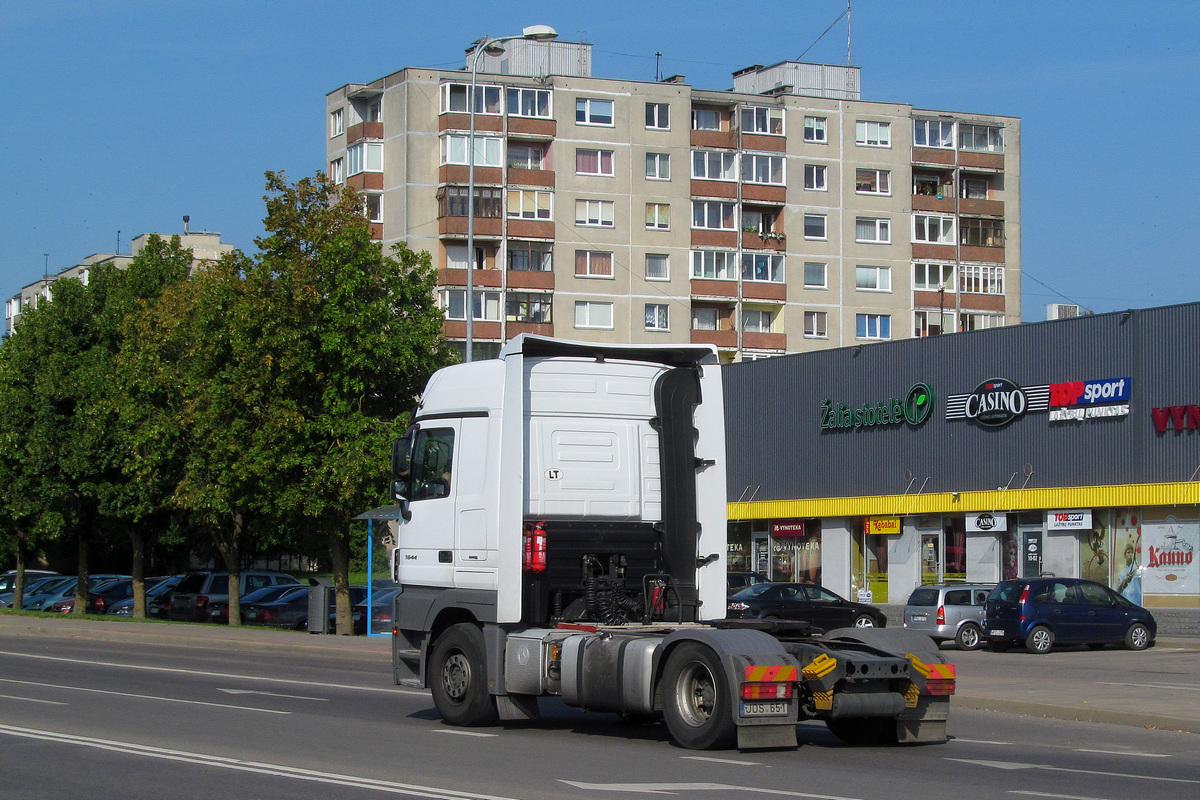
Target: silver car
949, 611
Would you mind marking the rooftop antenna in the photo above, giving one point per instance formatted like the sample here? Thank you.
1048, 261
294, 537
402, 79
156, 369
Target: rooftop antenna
46, 270
848, 61
658, 66
118, 241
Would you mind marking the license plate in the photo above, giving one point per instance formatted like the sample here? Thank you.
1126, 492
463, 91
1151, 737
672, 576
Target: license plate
251, 615
764, 709
357, 616
920, 617
995, 633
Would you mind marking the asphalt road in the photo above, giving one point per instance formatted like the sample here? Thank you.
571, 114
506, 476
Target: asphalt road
251, 714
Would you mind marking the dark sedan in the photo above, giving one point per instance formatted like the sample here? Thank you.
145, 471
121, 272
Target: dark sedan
803, 601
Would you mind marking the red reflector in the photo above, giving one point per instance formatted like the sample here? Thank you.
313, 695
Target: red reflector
766, 691
534, 552
201, 601
941, 615
940, 687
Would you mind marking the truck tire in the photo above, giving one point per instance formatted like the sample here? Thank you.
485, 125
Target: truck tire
864, 730
696, 699
458, 678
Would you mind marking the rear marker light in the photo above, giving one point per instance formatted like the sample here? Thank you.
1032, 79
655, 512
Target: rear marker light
767, 691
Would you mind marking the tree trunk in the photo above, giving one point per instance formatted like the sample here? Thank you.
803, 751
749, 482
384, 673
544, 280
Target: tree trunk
339, 555
18, 598
81, 585
231, 553
137, 542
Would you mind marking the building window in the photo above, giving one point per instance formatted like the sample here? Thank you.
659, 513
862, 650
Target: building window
757, 320
456, 257
706, 119
528, 307
872, 181
658, 116
932, 277
454, 98
873, 134
590, 314
981, 138
529, 204
589, 111
933, 229
982, 232
714, 265
927, 323
705, 319
814, 177
593, 162
759, 219
373, 112
933, 133
593, 264
714, 165
757, 119
487, 149
373, 207
766, 267
814, 226
979, 322
981, 279
713, 215
814, 275
364, 157
816, 325
758, 168
931, 184
523, 102
452, 202
657, 317
873, 326
975, 188
814, 130
337, 122
594, 213
873, 279
530, 256
658, 267
525, 156
658, 217
658, 166
337, 170
485, 306
872, 230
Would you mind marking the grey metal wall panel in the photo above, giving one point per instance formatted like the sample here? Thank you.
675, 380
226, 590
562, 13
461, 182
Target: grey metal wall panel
778, 451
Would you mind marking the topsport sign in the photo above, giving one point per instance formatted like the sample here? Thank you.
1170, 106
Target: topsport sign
998, 401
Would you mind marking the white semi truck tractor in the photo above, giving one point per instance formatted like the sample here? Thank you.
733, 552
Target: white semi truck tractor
561, 532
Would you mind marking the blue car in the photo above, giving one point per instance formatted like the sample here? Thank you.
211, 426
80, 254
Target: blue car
1042, 612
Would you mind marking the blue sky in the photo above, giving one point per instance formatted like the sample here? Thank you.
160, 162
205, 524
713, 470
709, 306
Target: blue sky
125, 115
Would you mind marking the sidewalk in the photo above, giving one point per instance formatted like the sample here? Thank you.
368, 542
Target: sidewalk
1156, 688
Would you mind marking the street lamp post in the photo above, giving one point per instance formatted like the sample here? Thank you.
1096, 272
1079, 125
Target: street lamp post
536, 33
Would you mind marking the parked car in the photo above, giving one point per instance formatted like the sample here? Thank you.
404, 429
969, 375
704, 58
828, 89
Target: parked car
949, 611
32, 589
65, 591
291, 610
157, 591
802, 601
9, 579
191, 599
380, 612
46, 589
736, 581
1043, 612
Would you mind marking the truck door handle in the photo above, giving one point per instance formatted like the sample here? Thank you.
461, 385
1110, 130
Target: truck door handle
445, 557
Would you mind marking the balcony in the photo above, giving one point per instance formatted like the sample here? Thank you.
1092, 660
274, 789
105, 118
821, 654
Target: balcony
930, 202
457, 173
540, 328
762, 290
366, 180
981, 302
932, 155
485, 227
518, 176
364, 130
753, 240
988, 161
528, 279
764, 341
461, 121
532, 127
723, 139
981, 207
986, 255
713, 288
760, 193
722, 189
707, 238
727, 340
457, 329
758, 141
458, 277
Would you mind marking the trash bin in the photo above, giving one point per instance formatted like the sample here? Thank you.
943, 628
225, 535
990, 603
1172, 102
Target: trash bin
319, 598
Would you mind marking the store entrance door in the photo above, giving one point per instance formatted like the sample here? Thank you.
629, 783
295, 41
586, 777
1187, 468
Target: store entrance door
1031, 551
931, 557
761, 545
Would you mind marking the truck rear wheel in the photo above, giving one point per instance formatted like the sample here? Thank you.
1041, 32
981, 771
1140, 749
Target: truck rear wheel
696, 699
458, 678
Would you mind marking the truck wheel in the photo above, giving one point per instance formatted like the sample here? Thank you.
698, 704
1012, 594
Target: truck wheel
458, 678
696, 700
863, 730
1039, 640
969, 637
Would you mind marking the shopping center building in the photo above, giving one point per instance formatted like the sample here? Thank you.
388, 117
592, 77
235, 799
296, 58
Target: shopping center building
1069, 447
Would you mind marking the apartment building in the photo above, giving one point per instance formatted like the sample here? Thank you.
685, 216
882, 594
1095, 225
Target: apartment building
783, 215
205, 247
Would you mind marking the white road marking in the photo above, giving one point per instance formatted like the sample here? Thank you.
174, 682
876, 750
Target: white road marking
674, 788
261, 768
1060, 796
979, 741
274, 694
1011, 766
733, 761
32, 700
1122, 753
1187, 687
465, 733
222, 675
144, 696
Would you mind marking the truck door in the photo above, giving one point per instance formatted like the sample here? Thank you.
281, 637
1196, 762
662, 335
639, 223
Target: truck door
425, 550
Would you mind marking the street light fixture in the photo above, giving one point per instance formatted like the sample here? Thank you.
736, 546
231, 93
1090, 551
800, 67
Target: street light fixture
540, 33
